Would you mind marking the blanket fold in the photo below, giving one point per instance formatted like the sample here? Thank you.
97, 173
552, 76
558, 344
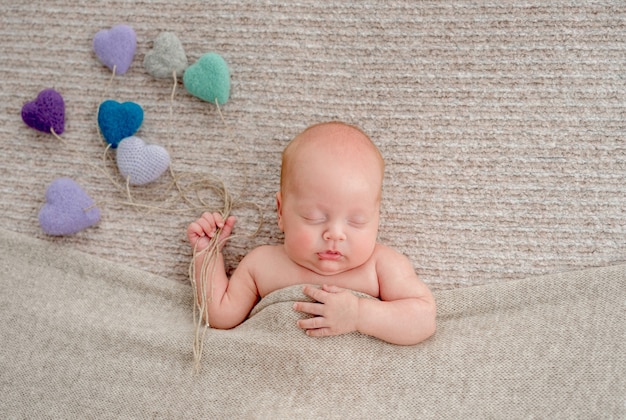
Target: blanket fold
83, 337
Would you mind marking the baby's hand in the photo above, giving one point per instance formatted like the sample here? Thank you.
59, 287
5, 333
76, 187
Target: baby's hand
204, 229
336, 311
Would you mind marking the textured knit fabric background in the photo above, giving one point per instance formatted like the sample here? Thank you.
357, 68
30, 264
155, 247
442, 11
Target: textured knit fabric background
502, 125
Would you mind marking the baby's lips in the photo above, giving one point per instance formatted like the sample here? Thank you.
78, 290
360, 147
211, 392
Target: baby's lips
330, 255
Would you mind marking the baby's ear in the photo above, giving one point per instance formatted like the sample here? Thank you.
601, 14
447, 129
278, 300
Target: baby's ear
279, 210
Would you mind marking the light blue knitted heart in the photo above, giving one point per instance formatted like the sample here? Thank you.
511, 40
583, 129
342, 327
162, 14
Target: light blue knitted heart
139, 162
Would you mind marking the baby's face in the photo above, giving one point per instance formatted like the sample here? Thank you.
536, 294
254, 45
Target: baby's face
330, 211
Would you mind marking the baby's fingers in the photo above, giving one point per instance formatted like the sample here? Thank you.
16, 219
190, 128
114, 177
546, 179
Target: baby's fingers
227, 227
210, 222
217, 219
197, 237
309, 308
194, 231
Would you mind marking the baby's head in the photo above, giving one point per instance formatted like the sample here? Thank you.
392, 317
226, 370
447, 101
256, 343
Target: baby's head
329, 198
325, 140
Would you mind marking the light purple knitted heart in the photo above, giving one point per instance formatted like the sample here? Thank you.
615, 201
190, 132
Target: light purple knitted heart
141, 163
115, 47
68, 209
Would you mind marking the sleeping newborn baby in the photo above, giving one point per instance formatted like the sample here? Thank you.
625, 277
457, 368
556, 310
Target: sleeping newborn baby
328, 208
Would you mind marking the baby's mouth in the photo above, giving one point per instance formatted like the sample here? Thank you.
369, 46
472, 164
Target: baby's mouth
330, 255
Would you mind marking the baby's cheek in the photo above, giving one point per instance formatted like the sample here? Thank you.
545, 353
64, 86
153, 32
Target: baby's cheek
363, 244
301, 240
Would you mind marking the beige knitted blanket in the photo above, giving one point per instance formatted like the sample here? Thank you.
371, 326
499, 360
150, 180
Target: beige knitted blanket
86, 338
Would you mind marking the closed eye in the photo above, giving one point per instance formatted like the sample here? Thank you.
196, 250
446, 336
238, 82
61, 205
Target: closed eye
357, 223
313, 220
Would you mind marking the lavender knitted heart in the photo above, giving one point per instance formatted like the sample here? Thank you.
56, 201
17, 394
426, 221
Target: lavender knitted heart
141, 163
46, 112
115, 47
119, 120
68, 209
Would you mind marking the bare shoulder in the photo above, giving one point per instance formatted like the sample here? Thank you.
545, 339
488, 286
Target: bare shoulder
396, 275
269, 267
257, 261
252, 268
263, 252
388, 258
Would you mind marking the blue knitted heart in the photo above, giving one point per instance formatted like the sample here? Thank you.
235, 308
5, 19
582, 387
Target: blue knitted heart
119, 120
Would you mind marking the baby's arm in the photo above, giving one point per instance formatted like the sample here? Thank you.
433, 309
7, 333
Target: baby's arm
229, 301
405, 314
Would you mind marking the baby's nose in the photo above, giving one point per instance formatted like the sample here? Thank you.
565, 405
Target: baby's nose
334, 234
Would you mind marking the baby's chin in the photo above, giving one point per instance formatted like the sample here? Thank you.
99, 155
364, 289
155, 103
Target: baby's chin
328, 268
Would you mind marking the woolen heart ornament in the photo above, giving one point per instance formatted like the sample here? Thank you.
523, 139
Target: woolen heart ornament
208, 79
119, 120
68, 209
46, 112
115, 47
139, 162
166, 57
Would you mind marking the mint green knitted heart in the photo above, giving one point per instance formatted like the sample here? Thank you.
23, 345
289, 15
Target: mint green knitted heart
208, 79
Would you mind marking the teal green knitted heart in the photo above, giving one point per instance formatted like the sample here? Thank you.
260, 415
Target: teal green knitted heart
208, 79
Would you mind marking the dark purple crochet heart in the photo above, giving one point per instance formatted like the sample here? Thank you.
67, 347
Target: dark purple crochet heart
46, 112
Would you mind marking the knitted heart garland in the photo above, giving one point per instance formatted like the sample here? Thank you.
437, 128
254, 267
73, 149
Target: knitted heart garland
46, 112
119, 120
166, 57
141, 163
208, 79
68, 209
115, 47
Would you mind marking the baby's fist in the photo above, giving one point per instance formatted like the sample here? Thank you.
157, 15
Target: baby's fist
205, 228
